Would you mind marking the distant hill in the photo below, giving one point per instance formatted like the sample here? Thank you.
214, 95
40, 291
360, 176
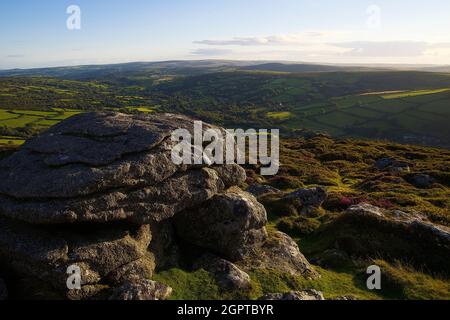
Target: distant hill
300, 68
344, 101
445, 69
198, 67
88, 72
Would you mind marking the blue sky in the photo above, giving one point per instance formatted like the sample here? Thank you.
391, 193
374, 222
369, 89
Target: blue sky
34, 33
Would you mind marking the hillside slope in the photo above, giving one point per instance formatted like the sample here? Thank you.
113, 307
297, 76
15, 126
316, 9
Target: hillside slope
329, 177
406, 107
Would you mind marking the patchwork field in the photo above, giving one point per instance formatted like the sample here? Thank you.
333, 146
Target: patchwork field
22, 119
405, 107
421, 116
412, 93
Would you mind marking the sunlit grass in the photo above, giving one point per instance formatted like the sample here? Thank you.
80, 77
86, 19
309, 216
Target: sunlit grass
279, 115
11, 141
412, 93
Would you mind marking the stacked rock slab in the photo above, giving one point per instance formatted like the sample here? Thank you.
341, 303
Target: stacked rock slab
100, 192
229, 224
100, 168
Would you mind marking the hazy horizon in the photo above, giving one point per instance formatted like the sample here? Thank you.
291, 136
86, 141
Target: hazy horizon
250, 61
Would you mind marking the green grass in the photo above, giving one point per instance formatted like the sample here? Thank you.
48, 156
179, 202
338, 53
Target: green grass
33, 113
332, 284
190, 285
65, 113
413, 93
21, 121
194, 285
7, 115
339, 119
142, 109
329, 102
11, 141
36, 120
279, 115
407, 283
398, 283
18, 119
47, 123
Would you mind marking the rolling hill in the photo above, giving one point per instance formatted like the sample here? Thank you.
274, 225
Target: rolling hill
402, 106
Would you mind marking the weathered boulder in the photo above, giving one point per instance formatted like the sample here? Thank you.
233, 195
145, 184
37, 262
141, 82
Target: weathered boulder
230, 224
368, 231
231, 174
164, 245
402, 215
345, 298
105, 167
310, 294
144, 205
74, 148
92, 153
422, 180
87, 292
332, 258
47, 253
133, 271
393, 165
142, 290
311, 197
383, 163
304, 202
227, 274
365, 209
99, 195
260, 189
280, 253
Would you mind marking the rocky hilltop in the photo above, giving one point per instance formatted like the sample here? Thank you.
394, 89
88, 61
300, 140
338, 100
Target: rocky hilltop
99, 192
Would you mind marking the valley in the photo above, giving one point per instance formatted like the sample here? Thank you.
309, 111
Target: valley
402, 106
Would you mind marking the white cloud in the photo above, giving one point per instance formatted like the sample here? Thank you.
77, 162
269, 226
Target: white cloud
305, 38
331, 46
211, 52
15, 56
384, 49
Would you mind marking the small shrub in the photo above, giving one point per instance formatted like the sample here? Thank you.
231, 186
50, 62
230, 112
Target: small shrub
285, 183
300, 226
276, 205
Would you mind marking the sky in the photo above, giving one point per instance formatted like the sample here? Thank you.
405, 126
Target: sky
44, 33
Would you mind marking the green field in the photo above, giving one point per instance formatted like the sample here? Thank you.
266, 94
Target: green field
11, 140
390, 118
32, 119
406, 107
412, 93
143, 109
279, 115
